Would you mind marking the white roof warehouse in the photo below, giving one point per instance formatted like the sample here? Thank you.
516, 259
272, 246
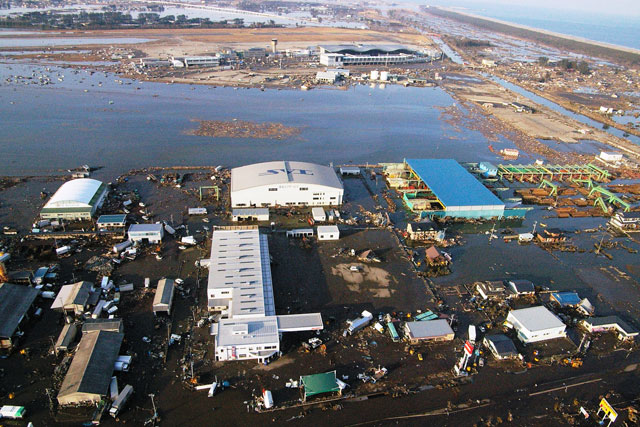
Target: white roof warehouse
77, 199
284, 183
536, 324
240, 287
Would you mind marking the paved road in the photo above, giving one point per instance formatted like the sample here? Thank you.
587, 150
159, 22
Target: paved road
530, 397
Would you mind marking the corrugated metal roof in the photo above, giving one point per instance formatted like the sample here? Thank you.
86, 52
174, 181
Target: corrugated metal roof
118, 218
299, 322
164, 294
429, 328
92, 325
240, 263
453, 184
282, 172
75, 193
145, 228
92, 366
259, 330
15, 301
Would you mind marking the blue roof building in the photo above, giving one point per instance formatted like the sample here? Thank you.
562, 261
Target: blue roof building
566, 299
445, 188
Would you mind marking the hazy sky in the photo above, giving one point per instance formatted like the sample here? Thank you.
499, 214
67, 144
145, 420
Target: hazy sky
614, 7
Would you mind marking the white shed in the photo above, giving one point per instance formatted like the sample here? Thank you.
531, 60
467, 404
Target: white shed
151, 233
318, 214
328, 232
163, 300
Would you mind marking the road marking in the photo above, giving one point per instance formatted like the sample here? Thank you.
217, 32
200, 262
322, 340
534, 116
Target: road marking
564, 387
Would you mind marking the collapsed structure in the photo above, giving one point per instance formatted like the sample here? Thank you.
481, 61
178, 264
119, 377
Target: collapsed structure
240, 288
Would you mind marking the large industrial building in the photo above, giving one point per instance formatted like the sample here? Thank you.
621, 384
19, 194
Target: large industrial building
240, 288
77, 199
89, 375
442, 187
349, 55
284, 183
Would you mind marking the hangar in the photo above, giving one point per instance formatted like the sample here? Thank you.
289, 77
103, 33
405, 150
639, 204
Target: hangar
77, 199
285, 183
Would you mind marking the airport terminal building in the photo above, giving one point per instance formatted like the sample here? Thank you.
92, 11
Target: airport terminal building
284, 183
354, 55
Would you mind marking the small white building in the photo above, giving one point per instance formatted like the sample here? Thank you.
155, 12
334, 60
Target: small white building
610, 156
300, 232
318, 214
146, 233
349, 170
197, 211
535, 324
327, 76
328, 232
284, 183
163, 299
250, 214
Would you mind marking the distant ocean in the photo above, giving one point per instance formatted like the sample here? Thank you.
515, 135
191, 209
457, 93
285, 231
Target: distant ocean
622, 30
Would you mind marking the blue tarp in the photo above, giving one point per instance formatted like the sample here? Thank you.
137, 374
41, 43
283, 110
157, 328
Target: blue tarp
566, 298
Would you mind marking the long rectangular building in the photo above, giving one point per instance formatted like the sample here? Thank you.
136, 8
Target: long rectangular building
89, 375
240, 288
448, 189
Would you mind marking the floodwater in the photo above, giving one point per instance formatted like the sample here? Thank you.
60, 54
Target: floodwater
550, 104
451, 54
121, 126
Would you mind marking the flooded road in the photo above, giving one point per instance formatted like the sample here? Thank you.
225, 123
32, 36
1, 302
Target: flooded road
550, 104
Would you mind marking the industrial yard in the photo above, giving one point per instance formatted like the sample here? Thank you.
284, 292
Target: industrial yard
371, 268
401, 218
